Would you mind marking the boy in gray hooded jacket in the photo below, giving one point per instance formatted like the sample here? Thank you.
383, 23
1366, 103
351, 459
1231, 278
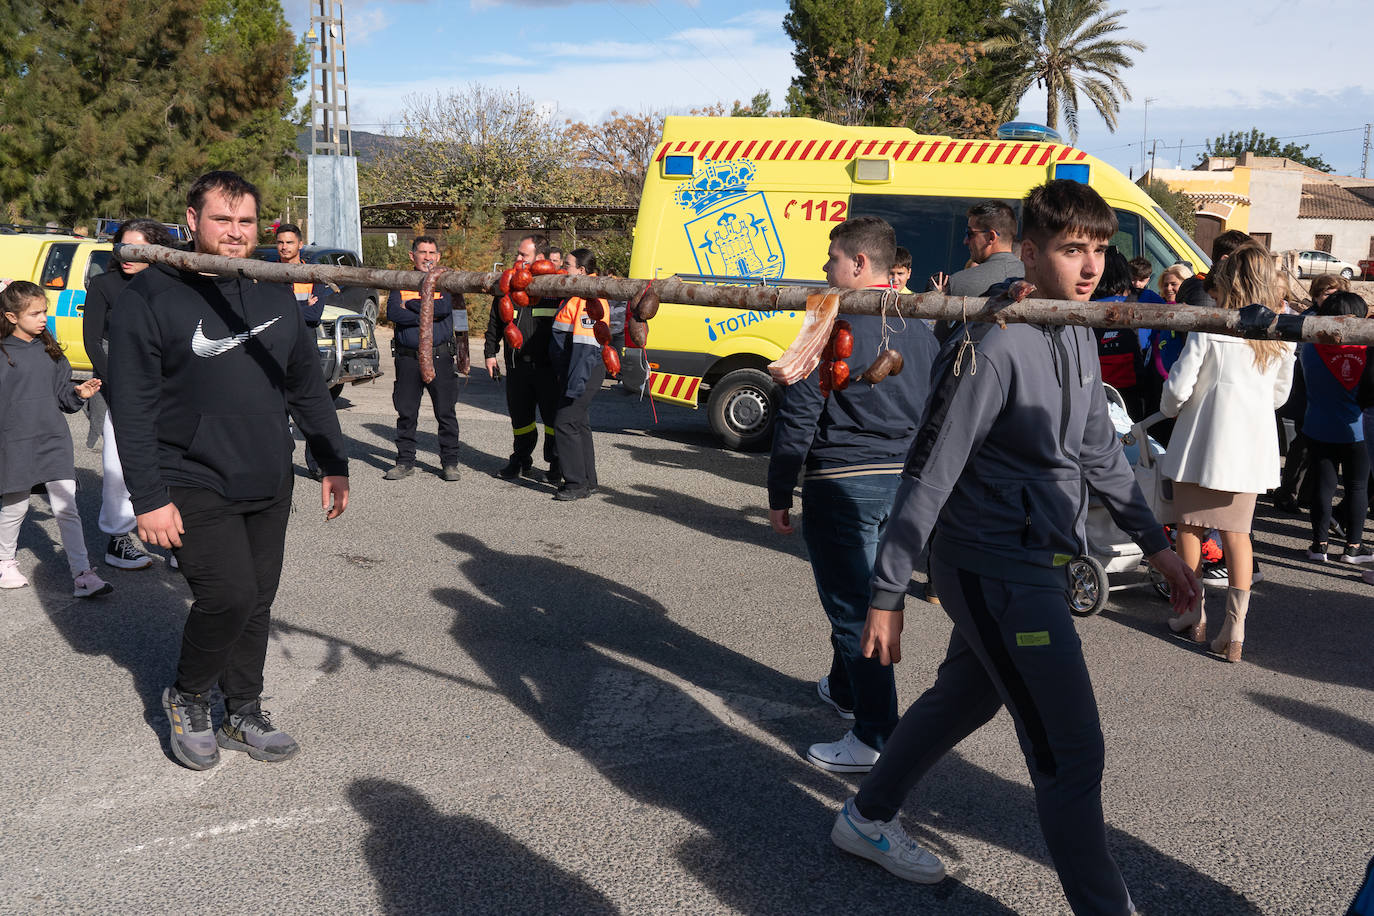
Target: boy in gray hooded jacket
1015, 434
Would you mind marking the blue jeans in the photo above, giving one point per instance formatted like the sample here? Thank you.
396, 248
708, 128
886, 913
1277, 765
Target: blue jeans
842, 522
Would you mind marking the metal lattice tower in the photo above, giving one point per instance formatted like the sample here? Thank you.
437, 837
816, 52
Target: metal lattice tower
329, 130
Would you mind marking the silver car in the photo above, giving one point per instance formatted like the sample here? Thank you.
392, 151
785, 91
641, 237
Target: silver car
1316, 263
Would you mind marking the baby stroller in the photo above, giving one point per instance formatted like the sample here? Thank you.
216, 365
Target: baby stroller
1109, 549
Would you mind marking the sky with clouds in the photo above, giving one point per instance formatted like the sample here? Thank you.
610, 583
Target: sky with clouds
1207, 68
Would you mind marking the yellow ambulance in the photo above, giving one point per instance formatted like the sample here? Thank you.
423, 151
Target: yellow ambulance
730, 200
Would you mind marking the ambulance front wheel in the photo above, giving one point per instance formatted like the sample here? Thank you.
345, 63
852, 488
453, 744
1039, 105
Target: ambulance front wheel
742, 407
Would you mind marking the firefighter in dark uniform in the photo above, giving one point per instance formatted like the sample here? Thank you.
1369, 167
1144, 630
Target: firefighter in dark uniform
531, 379
403, 311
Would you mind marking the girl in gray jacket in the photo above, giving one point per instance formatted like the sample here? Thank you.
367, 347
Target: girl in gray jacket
35, 444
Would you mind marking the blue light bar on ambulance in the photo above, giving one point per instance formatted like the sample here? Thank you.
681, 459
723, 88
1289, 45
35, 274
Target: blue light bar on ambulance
1028, 130
678, 166
1072, 171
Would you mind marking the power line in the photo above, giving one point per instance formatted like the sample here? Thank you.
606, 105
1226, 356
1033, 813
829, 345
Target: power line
711, 30
653, 43
700, 53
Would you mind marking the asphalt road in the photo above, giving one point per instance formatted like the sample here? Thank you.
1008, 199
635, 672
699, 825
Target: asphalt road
512, 705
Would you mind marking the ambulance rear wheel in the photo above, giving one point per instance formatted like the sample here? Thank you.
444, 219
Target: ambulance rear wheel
742, 407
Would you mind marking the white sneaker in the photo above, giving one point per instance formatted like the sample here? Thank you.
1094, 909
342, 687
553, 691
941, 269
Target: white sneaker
89, 585
823, 688
848, 755
886, 843
10, 576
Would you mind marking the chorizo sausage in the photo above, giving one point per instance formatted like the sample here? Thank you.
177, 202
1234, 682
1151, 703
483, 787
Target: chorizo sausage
611, 359
636, 332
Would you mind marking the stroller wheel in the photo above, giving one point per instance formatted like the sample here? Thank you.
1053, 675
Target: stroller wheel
1088, 586
1160, 584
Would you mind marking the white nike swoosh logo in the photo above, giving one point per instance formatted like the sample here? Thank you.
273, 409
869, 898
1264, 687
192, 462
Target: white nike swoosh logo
204, 346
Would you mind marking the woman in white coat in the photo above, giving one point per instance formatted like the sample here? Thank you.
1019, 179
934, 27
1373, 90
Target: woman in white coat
1224, 449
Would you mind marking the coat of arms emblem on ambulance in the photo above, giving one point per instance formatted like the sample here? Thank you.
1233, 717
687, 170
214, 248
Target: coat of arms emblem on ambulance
733, 234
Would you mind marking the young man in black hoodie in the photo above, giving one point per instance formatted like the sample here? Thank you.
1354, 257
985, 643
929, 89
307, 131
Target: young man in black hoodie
205, 369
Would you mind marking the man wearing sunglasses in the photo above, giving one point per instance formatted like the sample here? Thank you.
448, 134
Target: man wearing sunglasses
990, 236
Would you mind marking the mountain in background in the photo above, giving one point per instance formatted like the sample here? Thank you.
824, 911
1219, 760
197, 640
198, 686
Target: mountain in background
367, 146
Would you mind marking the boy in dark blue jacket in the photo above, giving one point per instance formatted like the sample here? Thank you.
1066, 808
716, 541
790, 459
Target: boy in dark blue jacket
851, 445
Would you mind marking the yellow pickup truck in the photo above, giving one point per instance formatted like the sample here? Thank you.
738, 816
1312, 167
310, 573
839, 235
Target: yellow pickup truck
61, 264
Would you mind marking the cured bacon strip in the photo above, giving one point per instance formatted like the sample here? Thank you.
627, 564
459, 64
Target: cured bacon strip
805, 352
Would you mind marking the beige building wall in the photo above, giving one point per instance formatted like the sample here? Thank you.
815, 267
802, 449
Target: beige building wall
1274, 200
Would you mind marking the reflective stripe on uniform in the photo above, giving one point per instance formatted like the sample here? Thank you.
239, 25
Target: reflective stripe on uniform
521, 430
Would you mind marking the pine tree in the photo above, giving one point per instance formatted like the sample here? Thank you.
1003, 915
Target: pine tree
111, 108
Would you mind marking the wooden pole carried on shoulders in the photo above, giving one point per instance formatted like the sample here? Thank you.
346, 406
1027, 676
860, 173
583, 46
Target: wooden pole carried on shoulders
762, 297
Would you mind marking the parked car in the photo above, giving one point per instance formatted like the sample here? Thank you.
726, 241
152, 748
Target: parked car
1316, 263
357, 299
347, 333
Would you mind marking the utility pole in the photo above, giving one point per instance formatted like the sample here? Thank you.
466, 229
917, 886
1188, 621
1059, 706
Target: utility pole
332, 194
1364, 160
329, 131
1145, 132
1154, 148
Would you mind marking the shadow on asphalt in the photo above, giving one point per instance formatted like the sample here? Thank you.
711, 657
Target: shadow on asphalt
1348, 728
145, 639
424, 861
665, 715
751, 470
744, 525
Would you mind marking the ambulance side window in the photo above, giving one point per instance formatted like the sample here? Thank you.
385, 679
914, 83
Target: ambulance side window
1127, 238
931, 228
1161, 254
1135, 237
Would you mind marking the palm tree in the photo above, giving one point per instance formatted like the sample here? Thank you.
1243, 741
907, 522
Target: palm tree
1067, 47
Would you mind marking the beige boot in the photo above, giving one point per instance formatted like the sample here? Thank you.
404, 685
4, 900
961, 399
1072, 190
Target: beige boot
1228, 642
1193, 624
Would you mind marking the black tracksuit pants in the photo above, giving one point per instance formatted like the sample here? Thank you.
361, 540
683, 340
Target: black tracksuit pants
577, 457
443, 396
531, 387
1014, 645
231, 555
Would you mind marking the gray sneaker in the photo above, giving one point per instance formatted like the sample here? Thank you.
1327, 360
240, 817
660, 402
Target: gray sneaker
251, 730
193, 735
399, 471
451, 473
